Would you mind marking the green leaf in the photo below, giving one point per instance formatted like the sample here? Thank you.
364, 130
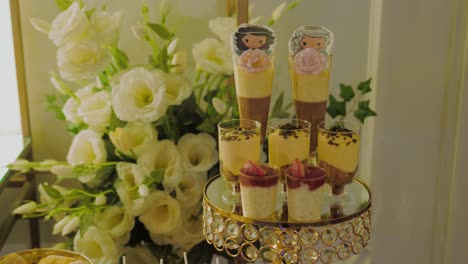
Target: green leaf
89, 13
52, 192
157, 176
115, 122
346, 92
161, 31
76, 128
364, 111
364, 86
85, 222
104, 172
278, 110
336, 108
119, 58
63, 4
207, 126
145, 11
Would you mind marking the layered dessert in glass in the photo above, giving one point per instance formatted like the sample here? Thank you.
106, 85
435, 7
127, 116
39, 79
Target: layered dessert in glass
259, 189
239, 141
338, 153
305, 185
309, 64
253, 57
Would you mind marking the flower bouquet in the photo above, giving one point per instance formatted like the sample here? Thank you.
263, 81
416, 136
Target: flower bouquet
144, 136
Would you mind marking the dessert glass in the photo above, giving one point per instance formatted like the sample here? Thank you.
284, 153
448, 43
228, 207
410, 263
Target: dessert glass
305, 194
288, 139
338, 153
259, 193
238, 140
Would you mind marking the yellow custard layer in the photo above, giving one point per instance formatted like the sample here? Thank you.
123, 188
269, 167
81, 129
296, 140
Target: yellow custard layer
310, 88
253, 84
234, 152
282, 151
339, 151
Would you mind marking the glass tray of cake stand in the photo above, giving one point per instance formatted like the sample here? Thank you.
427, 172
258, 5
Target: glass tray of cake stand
341, 232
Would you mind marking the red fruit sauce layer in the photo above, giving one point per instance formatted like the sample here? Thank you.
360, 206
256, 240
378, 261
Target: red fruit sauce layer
269, 179
314, 177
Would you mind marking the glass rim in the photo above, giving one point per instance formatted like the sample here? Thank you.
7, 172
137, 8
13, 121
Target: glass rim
321, 177
290, 121
355, 127
257, 124
276, 172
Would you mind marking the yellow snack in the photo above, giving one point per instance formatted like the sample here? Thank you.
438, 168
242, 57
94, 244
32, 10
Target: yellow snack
13, 259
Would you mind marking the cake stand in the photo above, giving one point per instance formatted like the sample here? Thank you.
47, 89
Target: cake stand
340, 233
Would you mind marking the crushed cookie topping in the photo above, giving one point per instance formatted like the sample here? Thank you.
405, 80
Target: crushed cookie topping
238, 134
289, 130
335, 133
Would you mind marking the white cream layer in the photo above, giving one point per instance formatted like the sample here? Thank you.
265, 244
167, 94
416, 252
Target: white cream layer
303, 204
259, 202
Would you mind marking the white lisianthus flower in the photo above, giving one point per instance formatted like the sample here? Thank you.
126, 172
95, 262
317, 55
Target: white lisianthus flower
279, 10
179, 62
190, 189
223, 28
171, 48
40, 25
130, 178
64, 171
189, 232
199, 152
69, 25
133, 137
72, 225
27, 208
20, 165
140, 95
219, 105
139, 32
96, 111
81, 59
70, 109
87, 147
100, 200
58, 227
116, 222
105, 26
162, 213
178, 88
97, 245
45, 165
163, 155
213, 56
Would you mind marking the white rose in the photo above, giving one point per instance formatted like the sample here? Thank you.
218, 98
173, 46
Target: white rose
223, 28
133, 137
179, 62
140, 95
213, 56
97, 245
105, 27
82, 59
130, 178
198, 151
70, 109
162, 213
96, 110
178, 88
190, 189
87, 147
163, 155
69, 25
116, 222
187, 234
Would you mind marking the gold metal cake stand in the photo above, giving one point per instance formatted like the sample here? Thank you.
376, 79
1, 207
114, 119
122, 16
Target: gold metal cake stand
341, 232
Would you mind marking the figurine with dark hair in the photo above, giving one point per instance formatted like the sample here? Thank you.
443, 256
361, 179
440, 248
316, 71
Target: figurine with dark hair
253, 37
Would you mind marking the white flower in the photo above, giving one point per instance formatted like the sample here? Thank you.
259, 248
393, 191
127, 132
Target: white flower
130, 178
40, 25
87, 147
63, 171
133, 137
58, 227
45, 165
178, 88
69, 25
139, 32
164, 8
81, 59
20, 165
171, 48
279, 10
59, 85
256, 20
198, 151
97, 245
213, 56
105, 27
116, 222
223, 28
71, 225
143, 190
96, 110
100, 200
27, 208
179, 62
139, 95
219, 105
162, 213
190, 189
70, 109
163, 155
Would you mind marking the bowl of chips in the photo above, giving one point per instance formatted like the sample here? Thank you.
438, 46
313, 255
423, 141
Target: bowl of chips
44, 256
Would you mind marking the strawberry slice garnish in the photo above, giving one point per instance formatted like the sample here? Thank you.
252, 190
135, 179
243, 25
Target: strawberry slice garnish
297, 168
252, 168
